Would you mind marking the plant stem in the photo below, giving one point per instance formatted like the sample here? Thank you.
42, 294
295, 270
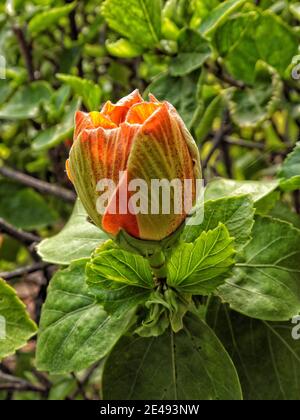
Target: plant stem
12, 383
19, 272
297, 201
218, 139
158, 265
18, 234
26, 51
75, 35
37, 184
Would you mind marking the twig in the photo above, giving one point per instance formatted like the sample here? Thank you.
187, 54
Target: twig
218, 138
18, 234
80, 386
19, 272
297, 201
11, 383
26, 51
75, 35
244, 143
218, 71
37, 184
85, 380
227, 158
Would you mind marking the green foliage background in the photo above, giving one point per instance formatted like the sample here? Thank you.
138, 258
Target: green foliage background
231, 69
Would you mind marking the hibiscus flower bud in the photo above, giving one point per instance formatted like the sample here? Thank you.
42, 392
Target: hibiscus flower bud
127, 156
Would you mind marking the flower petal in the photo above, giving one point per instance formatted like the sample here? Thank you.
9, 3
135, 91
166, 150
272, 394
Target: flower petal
160, 151
139, 113
84, 121
100, 120
113, 221
96, 155
117, 112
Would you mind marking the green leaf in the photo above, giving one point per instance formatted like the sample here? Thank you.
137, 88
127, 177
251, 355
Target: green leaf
86, 89
24, 208
200, 267
124, 49
5, 90
135, 19
266, 205
283, 36
16, 328
53, 136
219, 15
115, 265
190, 365
236, 213
253, 105
265, 284
290, 171
179, 91
75, 330
245, 39
235, 42
77, 240
26, 102
50, 17
194, 50
295, 10
283, 212
258, 190
114, 275
265, 354
212, 111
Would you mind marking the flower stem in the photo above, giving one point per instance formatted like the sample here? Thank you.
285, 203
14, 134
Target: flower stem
158, 265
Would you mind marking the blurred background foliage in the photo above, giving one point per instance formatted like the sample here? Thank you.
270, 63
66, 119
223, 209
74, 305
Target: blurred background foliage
225, 65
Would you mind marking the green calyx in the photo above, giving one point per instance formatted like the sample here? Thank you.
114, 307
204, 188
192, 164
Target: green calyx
153, 251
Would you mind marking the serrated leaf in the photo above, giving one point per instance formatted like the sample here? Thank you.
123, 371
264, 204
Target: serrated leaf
190, 365
219, 15
44, 20
86, 89
283, 36
16, 328
290, 172
244, 39
123, 267
253, 105
77, 240
265, 284
26, 102
179, 91
200, 267
236, 213
265, 354
194, 50
135, 18
75, 330
114, 275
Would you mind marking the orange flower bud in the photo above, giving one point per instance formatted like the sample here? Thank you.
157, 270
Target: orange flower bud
133, 140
